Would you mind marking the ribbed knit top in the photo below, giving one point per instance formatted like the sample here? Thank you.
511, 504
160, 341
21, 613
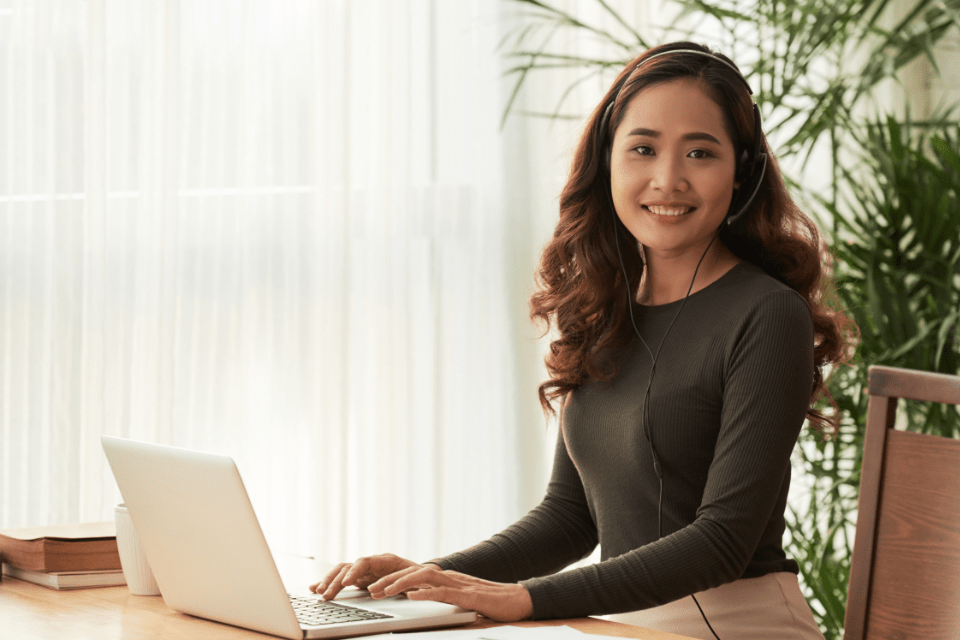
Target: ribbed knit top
728, 398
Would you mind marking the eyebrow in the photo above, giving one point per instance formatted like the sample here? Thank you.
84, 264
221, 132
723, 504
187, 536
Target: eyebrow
695, 135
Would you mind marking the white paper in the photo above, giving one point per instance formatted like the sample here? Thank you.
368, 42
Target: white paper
507, 632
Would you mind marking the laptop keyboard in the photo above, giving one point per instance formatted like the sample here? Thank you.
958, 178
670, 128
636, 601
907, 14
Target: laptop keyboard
314, 612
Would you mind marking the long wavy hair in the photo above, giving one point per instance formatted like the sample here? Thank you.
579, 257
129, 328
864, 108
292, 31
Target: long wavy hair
582, 290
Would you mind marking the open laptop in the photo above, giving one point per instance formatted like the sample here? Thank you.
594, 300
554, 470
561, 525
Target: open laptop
211, 560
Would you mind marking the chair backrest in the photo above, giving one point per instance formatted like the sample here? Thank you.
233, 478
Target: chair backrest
905, 570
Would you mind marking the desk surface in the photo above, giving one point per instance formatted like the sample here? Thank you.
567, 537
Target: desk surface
32, 612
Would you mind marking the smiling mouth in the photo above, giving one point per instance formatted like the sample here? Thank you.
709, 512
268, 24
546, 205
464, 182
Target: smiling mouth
674, 211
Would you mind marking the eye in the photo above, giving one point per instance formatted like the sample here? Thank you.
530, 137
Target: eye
643, 150
698, 154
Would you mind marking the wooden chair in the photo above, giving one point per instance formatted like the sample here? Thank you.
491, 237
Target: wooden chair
905, 570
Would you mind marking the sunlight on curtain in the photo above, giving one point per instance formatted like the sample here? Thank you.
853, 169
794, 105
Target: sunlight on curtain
272, 230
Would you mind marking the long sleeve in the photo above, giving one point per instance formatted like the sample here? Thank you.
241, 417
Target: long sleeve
726, 409
553, 535
727, 401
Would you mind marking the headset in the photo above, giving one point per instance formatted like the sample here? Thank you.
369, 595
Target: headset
751, 168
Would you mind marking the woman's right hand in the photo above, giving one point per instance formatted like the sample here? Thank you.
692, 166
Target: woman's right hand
361, 573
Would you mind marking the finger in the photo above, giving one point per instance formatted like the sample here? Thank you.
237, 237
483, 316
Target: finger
403, 581
446, 594
376, 567
336, 585
358, 570
320, 587
390, 580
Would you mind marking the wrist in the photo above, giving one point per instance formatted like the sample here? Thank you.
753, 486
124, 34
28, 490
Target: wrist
526, 602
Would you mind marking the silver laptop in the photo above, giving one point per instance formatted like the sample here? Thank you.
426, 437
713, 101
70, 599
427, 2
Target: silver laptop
211, 560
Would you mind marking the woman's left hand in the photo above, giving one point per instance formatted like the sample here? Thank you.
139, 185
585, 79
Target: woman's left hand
498, 601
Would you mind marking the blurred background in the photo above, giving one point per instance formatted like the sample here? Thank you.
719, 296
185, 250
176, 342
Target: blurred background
304, 234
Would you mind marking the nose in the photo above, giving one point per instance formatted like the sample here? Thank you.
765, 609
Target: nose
668, 175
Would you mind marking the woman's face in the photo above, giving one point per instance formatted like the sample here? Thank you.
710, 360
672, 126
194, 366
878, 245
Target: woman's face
672, 168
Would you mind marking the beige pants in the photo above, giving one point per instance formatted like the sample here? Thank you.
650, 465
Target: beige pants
770, 606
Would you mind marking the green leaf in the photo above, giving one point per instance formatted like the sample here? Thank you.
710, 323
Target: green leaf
948, 155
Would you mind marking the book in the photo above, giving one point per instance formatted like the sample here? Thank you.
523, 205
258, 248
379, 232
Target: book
67, 579
88, 546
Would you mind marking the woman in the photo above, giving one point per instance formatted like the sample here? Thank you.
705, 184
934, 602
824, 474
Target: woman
687, 289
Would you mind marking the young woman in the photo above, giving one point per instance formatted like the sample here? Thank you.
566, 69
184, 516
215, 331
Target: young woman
688, 292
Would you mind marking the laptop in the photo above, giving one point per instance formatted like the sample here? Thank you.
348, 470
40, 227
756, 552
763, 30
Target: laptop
210, 559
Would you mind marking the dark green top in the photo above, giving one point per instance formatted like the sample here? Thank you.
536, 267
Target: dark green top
729, 396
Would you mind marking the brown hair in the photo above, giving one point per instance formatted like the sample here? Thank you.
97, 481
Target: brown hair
582, 289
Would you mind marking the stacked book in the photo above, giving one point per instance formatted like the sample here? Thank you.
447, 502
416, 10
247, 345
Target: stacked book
70, 556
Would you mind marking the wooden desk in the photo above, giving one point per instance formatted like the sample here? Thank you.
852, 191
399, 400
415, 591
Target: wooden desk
32, 612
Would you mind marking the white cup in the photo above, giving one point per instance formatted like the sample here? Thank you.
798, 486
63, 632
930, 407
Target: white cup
136, 569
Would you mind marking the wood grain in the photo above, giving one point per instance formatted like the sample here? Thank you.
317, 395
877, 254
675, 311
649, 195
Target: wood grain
915, 587
892, 382
905, 570
32, 612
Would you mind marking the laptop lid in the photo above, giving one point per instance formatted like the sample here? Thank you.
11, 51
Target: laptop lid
208, 553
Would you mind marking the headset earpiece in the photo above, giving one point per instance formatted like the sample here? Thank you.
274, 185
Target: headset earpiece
750, 171
743, 167
606, 147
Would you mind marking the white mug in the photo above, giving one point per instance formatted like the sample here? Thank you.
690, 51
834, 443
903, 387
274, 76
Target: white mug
136, 569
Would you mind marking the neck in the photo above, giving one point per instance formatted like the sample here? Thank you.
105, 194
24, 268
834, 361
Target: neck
667, 278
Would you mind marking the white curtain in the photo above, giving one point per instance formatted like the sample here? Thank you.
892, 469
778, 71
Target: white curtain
272, 230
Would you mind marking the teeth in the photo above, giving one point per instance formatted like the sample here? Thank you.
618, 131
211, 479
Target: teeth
669, 211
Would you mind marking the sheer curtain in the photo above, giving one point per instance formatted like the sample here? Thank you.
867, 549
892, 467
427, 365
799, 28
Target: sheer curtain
272, 230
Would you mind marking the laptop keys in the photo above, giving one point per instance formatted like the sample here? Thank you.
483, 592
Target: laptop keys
314, 612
